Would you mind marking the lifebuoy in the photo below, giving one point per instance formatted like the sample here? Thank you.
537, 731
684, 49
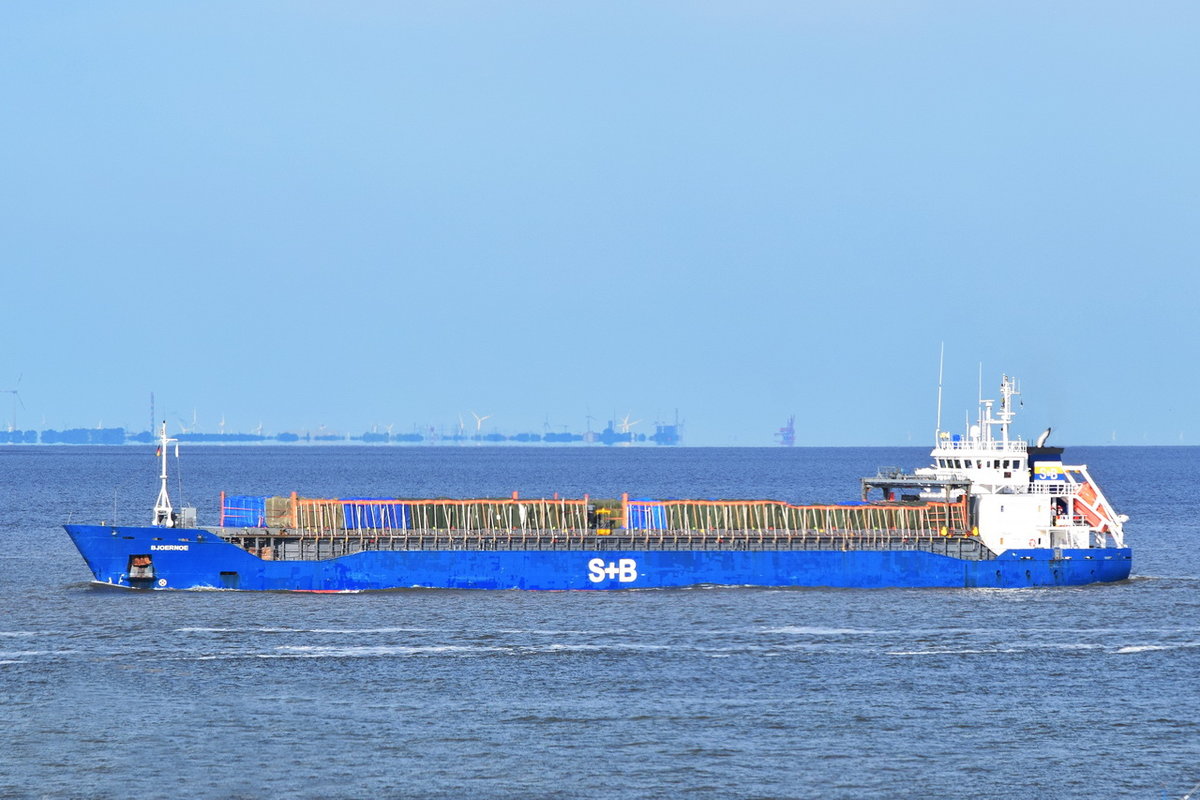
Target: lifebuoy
1033, 542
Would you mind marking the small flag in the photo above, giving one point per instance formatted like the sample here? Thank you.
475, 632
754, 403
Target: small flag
158, 451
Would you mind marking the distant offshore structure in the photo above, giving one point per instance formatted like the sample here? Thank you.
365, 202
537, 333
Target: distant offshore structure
787, 434
616, 433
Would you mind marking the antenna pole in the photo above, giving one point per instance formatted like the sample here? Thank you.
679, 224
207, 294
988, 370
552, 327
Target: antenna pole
984, 430
941, 362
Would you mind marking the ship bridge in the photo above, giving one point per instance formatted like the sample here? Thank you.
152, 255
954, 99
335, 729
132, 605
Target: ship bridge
987, 456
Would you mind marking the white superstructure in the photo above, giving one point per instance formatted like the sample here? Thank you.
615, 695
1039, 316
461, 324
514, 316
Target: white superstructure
1020, 495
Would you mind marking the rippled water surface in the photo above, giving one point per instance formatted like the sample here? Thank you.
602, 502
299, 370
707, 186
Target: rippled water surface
745, 693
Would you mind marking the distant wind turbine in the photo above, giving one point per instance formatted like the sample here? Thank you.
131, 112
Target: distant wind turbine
183, 425
16, 398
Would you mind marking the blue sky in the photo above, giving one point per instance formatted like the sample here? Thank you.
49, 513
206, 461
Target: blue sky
359, 213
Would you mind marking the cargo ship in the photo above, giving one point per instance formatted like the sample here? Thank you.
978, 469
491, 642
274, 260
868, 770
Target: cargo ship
991, 511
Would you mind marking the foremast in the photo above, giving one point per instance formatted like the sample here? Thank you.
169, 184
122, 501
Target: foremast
164, 514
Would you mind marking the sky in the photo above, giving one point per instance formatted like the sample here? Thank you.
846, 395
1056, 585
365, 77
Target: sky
358, 214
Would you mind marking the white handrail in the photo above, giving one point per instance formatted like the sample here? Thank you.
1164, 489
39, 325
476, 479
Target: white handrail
1016, 446
1053, 487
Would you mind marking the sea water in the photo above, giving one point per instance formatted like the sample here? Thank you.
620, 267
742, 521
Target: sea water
708, 692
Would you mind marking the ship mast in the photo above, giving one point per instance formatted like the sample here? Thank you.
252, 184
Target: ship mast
163, 514
1008, 388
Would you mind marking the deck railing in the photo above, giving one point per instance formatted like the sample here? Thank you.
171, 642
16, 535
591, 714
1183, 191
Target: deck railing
288, 545
1058, 488
1011, 446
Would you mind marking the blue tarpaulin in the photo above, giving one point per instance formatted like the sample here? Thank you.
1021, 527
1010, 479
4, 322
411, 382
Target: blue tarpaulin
244, 511
646, 517
359, 514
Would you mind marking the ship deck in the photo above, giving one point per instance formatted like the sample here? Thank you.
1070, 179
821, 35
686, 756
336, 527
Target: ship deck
273, 544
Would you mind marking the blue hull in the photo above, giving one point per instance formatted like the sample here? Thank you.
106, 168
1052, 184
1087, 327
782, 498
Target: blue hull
193, 559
